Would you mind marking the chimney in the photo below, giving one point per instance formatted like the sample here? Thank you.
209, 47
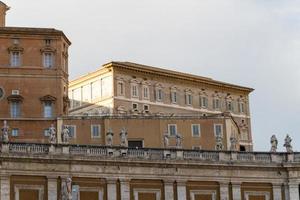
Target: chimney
3, 9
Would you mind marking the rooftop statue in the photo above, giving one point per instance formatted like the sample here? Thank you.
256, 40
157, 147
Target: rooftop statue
287, 144
5, 132
166, 140
52, 133
123, 138
179, 139
65, 134
219, 143
274, 143
109, 137
233, 143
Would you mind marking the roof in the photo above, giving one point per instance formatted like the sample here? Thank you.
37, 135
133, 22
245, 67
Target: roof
174, 74
33, 31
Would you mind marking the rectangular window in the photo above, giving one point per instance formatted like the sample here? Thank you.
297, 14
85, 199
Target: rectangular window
134, 90
218, 130
241, 107
216, 104
172, 129
15, 59
48, 109
72, 130
146, 107
174, 97
146, 92
134, 106
197, 148
14, 132
96, 89
95, 131
121, 88
48, 60
135, 144
203, 102
159, 94
15, 109
230, 106
47, 42
46, 132
189, 99
196, 130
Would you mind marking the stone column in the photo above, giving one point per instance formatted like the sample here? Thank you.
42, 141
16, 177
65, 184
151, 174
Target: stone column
5, 187
125, 189
236, 191
294, 191
169, 189
52, 187
181, 190
277, 195
224, 191
111, 188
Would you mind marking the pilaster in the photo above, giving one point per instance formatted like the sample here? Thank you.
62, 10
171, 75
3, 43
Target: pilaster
125, 189
224, 191
236, 191
277, 195
111, 188
5, 187
294, 191
52, 187
181, 190
169, 189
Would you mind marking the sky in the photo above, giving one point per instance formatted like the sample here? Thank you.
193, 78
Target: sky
253, 43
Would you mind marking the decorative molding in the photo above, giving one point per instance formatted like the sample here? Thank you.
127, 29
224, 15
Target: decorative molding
193, 193
19, 187
136, 192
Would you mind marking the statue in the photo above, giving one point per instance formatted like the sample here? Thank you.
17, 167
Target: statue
66, 190
52, 132
219, 143
178, 141
166, 140
287, 144
65, 134
109, 137
5, 132
274, 143
233, 143
123, 138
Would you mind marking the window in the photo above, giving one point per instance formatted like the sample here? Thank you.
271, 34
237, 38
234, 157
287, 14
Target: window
134, 90
135, 144
159, 94
48, 109
203, 102
189, 99
196, 130
15, 132
146, 92
197, 148
1, 92
134, 106
172, 129
241, 107
174, 97
72, 130
96, 89
15, 109
15, 60
95, 131
48, 42
230, 106
120, 88
48, 60
218, 130
46, 132
146, 107
216, 104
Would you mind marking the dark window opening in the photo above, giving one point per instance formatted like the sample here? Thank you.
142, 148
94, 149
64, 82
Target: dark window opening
135, 144
242, 148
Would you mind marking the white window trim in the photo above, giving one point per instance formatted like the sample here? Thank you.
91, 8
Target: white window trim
92, 135
74, 130
118, 89
257, 193
144, 107
18, 131
215, 129
214, 103
12, 64
136, 192
137, 106
169, 132
51, 60
193, 193
39, 188
93, 189
187, 99
143, 92
196, 136
201, 101
137, 90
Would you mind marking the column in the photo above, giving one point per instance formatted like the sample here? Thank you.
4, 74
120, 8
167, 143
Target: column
294, 191
169, 189
111, 188
52, 187
224, 191
181, 190
125, 189
236, 191
277, 195
5, 187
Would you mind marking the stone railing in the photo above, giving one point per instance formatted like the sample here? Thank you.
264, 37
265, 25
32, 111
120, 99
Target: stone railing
92, 152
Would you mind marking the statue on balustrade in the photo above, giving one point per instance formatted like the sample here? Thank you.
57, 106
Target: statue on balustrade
65, 135
109, 137
5, 132
274, 143
233, 143
288, 144
219, 143
123, 138
66, 189
166, 140
179, 139
52, 132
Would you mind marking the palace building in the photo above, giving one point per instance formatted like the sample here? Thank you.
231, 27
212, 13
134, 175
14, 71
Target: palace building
126, 131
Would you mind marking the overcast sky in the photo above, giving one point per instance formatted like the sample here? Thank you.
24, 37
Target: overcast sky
247, 42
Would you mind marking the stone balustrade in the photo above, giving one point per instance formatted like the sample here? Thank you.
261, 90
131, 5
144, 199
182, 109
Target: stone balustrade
147, 153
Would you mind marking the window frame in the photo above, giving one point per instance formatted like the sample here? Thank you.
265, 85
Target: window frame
15, 129
199, 129
169, 130
74, 126
134, 92
51, 106
146, 88
12, 59
92, 129
215, 132
48, 62
17, 113
174, 98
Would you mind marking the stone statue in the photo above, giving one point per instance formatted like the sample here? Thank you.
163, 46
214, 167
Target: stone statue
233, 143
274, 143
65, 135
219, 143
179, 140
5, 132
52, 132
66, 189
166, 140
109, 137
287, 144
123, 138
